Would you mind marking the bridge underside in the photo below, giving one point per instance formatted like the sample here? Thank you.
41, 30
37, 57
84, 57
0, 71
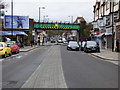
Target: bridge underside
55, 29
56, 26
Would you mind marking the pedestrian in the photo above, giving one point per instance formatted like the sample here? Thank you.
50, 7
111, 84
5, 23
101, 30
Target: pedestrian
18, 43
39, 42
31, 43
43, 41
21, 42
117, 45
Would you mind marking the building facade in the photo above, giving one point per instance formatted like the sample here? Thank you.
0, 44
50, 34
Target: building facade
105, 15
81, 21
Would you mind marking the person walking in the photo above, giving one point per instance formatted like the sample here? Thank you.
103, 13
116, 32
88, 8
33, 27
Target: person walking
117, 45
43, 42
31, 43
38, 42
21, 42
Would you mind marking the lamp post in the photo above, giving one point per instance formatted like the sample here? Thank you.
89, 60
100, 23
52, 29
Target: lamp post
12, 19
39, 12
113, 27
44, 18
71, 18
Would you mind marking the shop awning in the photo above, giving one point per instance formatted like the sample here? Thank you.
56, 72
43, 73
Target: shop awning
100, 35
9, 33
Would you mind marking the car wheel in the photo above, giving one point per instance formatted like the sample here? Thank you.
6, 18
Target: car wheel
10, 54
98, 50
4, 56
18, 51
86, 50
68, 49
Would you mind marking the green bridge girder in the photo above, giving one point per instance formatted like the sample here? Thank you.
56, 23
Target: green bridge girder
56, 26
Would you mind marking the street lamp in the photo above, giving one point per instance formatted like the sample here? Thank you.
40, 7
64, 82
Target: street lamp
113, 27
44, 18
39, 11
12, 19
71, 18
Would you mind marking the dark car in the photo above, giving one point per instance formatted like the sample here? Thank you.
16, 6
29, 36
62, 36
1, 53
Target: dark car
73, 45
53, 40
91, 46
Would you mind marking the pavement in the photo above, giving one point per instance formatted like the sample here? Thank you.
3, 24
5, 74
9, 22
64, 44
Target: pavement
104, 54
63, 72
28, 48
49, 74
107, 55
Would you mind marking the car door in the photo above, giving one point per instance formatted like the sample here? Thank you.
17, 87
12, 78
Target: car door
7, 48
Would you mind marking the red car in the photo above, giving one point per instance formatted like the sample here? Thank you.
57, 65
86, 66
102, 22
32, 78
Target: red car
14, 47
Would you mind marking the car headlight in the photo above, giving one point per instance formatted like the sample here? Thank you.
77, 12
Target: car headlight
68, 45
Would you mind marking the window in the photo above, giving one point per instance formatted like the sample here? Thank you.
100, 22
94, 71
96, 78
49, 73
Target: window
107, 5
1, 45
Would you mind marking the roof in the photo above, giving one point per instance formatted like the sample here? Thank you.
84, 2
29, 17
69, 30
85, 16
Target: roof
9, 33
81, 19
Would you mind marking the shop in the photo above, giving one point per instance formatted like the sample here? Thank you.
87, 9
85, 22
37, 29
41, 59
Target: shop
15, 35
117, 38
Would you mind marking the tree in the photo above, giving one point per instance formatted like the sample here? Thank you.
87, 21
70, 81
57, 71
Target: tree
85, 30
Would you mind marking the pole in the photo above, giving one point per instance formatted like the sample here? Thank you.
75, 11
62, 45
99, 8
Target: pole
12, 19
71, 19
39, 14
43, 18
113, 27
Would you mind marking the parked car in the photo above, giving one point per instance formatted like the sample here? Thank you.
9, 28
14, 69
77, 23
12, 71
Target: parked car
59, 41
73, 45
5, 50
53, 40
82, 45
14, 47
91, 46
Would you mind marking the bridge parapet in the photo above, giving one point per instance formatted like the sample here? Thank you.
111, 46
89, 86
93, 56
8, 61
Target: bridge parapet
56, 26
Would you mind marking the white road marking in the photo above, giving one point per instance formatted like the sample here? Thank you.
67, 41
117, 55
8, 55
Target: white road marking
19, 57
15, 55
1, 60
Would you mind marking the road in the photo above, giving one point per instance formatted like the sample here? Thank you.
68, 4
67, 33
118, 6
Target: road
85, 71
16, 70
80, 70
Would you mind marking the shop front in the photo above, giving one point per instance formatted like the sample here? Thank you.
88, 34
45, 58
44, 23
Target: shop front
117, 37
15, 35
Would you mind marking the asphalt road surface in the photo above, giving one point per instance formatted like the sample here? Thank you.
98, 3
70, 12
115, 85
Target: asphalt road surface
80, 69
85, 71
16, 70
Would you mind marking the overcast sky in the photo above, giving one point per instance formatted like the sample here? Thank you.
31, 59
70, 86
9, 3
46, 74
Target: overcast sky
57, 10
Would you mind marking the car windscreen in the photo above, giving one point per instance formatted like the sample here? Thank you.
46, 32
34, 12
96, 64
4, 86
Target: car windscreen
91, 43
73, 43
1, 45
83, 43
10, 43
